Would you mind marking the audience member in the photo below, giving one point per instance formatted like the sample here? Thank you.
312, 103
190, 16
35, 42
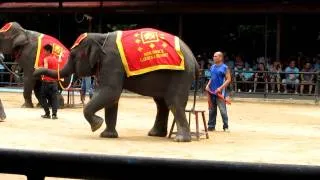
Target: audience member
307, 78
275, 76
316, 65
292, 78
238, 72
2, 69
260, 77
247, 75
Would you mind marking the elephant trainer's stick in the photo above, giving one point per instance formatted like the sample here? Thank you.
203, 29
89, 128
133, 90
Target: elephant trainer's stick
220, 96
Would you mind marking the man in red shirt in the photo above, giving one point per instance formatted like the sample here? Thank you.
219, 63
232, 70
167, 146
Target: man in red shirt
49, 88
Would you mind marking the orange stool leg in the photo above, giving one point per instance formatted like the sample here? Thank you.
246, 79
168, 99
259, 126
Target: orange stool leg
68, 99
197, 126
189, 119
205, 125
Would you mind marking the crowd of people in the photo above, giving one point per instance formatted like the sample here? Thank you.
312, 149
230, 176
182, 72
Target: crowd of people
296, 75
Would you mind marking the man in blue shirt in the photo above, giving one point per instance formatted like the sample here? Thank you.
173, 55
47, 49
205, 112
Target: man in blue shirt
220, 79
292, 77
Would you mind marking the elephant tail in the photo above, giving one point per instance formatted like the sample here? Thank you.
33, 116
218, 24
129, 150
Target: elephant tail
196, 75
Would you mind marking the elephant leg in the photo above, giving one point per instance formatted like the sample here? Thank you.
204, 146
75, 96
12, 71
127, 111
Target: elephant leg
161, 122
2, 113
111, 113
104, 97
60, 101
177, 104
27, 91
37, 90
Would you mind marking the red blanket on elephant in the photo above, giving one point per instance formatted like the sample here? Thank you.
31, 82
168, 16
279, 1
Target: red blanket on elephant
146, 50
58, 50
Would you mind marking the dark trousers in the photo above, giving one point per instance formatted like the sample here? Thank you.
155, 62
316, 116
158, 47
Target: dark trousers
216, 102
49, 91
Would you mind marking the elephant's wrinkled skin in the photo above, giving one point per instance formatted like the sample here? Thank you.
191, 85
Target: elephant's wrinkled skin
2, 113
22, 44
169, 89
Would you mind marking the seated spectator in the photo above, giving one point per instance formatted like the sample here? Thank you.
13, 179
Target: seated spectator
2, 69
207, 73
247, 75
239, 74
307, 78
292, 78
200, 61
229, 62
260, 77
239, 61
263, 60
275, 76
316, 65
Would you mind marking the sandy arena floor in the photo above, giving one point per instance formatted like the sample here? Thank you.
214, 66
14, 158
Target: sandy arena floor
268, 133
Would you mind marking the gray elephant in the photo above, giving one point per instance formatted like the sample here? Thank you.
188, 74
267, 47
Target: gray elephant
2, 113
25, 46
101, 55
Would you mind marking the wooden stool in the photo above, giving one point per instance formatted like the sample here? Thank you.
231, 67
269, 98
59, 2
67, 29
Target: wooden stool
197, 133
70, 99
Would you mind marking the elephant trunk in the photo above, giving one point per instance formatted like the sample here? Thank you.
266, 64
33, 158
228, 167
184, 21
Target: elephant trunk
67, 70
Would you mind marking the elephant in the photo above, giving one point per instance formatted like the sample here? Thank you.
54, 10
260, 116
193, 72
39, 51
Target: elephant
22, 45
98, 55
2, 113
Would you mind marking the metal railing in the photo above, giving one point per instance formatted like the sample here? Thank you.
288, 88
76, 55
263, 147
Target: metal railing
233, 87
37, 165
12, 80
267, 81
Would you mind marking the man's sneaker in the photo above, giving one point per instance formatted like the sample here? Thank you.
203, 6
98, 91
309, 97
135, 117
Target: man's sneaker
46, 116
54, 117
211, 129
226, 130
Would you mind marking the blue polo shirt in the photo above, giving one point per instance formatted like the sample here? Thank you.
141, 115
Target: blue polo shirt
218, 76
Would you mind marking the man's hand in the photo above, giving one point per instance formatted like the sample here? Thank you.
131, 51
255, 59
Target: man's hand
218, 90
207, 88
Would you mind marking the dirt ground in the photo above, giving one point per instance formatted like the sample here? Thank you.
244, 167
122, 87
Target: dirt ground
267, 133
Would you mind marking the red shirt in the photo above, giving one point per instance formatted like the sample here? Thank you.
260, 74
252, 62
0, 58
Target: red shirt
50, 62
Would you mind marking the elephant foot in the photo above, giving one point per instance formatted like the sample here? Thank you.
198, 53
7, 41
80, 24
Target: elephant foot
156, 132
2, 117
27, 105
183, 138
61, 101
96, 123
109, 134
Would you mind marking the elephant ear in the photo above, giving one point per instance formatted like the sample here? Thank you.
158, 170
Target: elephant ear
93, 51
19, 40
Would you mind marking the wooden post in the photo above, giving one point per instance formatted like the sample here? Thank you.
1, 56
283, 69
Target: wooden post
278, 45
180, 25
266, 38
100, 17
60, 20
90, 25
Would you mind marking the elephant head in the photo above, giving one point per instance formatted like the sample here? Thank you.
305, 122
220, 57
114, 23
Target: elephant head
83, 60
12, 35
